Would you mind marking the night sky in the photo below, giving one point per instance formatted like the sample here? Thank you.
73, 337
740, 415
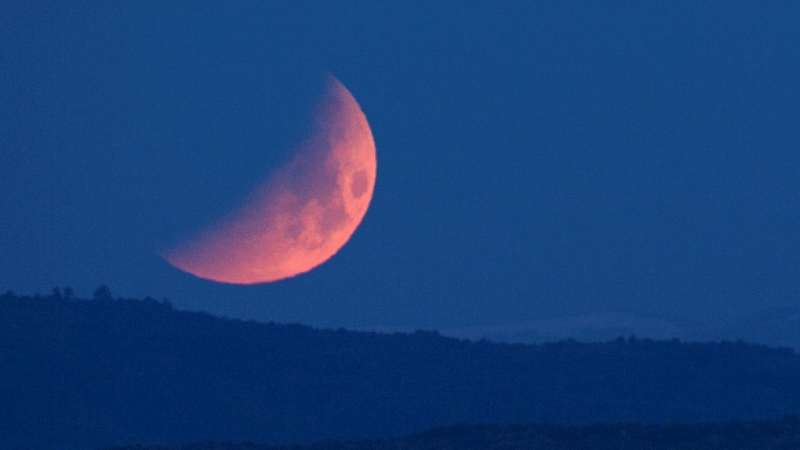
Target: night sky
536, 160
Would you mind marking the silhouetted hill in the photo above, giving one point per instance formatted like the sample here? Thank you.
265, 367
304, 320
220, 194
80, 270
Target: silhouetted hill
89, 374
776, 435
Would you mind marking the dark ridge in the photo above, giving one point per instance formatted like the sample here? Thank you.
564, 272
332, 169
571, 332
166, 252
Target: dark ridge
773, 435
78, 374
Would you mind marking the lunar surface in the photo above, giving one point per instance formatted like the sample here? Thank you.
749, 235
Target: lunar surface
305, 211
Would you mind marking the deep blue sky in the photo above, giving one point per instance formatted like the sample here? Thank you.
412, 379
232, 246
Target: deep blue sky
536, 160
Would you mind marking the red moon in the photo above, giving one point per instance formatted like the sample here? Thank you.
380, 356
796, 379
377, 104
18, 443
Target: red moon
303, 214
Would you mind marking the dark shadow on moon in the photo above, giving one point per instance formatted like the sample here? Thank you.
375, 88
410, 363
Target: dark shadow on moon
333, 218
214, 154
360, 184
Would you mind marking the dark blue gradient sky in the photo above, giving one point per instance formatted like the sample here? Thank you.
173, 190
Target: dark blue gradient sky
536, 160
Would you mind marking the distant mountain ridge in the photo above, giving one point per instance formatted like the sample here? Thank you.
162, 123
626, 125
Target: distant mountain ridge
779, 326
773, 327
92, 374
585, 328
781, 434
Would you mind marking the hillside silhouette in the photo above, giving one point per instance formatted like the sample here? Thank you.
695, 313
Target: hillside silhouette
773, 435
79, 374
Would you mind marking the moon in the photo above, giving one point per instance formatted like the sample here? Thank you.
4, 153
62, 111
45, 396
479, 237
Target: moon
303, 213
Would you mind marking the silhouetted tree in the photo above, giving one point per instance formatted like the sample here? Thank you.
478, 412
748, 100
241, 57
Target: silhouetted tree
8, 295
56, 295
102, 293
68, 293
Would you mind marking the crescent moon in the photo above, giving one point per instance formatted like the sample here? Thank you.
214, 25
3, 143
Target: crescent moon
305, 211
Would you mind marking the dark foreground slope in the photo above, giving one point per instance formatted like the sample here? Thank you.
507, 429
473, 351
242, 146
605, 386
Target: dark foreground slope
88, 374
777, 435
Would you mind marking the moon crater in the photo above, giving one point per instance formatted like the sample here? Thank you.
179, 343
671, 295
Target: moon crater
359, 184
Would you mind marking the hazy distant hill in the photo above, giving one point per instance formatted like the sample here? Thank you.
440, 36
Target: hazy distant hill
585, 328
775, 435
776, 327
88, 374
